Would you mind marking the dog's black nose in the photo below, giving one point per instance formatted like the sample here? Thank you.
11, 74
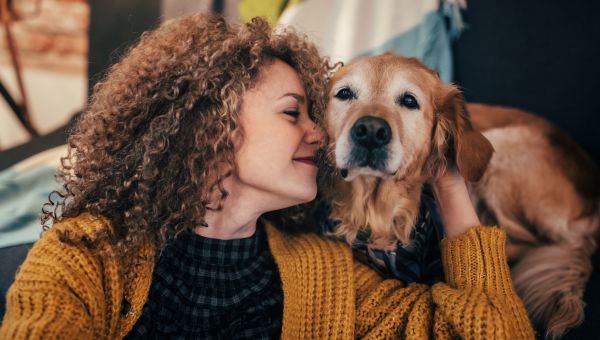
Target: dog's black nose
371, 132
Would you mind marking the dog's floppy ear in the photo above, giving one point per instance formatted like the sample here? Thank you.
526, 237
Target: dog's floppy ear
454, 138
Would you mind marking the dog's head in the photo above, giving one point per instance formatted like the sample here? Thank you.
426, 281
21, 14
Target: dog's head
391, 119
392, 116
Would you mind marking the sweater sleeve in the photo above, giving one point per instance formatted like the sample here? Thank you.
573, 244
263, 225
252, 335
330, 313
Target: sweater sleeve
56, 294
477, 301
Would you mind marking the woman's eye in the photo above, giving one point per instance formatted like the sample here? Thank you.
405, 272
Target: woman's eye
345, 94
409, 101
292, 113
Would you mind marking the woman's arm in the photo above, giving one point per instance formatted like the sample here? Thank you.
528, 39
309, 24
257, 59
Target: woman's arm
456, 208
58, 293
477, 301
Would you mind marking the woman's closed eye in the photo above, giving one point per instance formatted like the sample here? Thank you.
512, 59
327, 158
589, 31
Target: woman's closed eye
294, 113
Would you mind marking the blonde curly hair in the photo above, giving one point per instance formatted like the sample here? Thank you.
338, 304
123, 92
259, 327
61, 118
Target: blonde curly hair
155, 141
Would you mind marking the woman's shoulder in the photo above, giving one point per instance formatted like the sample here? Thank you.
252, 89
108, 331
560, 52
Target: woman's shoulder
75, 236
95, 234
59, 258
83, 225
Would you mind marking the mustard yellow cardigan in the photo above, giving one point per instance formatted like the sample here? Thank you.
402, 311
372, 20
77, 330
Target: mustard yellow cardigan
64, 291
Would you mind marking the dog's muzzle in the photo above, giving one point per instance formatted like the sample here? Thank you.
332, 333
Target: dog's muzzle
370, 136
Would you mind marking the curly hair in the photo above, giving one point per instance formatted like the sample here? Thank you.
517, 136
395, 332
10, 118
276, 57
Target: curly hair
155, 140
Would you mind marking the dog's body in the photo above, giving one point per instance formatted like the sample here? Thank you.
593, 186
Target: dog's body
393, 125
545, 192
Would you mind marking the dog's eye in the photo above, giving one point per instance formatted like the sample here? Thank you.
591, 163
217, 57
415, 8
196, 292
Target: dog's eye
409, 101
345, 94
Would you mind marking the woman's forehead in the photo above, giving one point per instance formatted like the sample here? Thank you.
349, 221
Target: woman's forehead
279, 78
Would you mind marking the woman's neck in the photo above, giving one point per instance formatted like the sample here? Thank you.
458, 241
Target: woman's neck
237, 218
227, 225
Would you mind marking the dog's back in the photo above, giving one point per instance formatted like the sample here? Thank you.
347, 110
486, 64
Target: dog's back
545, 191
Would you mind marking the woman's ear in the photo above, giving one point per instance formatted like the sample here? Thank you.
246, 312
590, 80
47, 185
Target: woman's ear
465, 147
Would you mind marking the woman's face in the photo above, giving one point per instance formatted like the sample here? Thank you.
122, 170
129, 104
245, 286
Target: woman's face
276, 158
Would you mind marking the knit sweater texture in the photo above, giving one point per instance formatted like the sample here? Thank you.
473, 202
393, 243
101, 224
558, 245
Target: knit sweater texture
70, 292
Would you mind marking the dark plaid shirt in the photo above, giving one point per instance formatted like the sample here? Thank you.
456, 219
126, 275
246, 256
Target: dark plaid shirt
206, 288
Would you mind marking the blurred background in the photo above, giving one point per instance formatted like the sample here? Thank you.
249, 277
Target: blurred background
48, 40
538, 56
541, 56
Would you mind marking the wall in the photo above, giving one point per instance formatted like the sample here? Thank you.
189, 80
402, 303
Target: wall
52, 41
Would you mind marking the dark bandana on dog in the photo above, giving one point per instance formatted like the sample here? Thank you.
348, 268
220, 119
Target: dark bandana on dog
419, 261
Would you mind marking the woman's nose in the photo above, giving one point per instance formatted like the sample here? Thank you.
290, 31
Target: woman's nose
314, 134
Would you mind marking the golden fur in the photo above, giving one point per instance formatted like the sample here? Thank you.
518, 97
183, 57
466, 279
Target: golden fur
538, 185
439, 134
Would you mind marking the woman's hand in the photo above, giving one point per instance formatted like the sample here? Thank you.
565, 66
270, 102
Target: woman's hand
456, 209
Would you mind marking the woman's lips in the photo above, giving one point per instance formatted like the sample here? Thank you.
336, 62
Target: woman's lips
307, 160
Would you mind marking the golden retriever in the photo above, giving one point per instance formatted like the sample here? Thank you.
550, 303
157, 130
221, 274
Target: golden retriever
393, 125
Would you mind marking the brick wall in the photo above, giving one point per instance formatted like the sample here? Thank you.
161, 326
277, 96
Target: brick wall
52, 40
50, 34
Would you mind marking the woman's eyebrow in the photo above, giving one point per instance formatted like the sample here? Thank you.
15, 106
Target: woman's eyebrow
300, 98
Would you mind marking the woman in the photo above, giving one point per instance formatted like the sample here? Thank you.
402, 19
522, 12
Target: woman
196, 133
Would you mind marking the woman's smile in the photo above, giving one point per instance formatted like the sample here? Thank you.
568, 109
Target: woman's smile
310, 160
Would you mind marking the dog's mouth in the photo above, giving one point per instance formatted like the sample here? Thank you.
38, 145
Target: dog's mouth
361, 157
349, 174
366, 162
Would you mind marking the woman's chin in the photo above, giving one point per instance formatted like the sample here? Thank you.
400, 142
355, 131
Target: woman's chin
309, 196
302, 197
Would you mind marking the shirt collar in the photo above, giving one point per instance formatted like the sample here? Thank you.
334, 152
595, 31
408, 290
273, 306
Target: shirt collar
221, 252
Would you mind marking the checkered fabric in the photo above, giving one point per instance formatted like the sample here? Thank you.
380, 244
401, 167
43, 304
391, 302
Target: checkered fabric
206, 288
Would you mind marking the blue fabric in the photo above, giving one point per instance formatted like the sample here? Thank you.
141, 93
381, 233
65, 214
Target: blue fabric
22, 194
